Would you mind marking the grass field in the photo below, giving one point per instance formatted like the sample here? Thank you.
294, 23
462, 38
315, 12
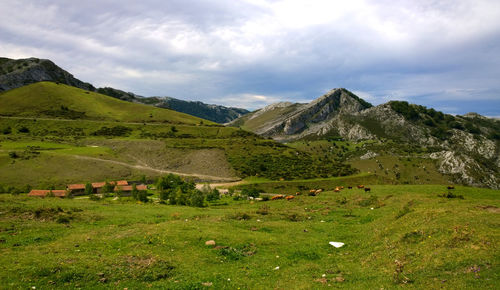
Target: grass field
395, 236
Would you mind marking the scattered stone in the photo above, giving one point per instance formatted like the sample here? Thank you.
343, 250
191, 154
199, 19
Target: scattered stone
100, 274
207, 284
103, 280
322, 280
210, 243
254, 229
339, 279
277, 268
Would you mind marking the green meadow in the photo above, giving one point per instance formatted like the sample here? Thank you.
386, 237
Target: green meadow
395, 236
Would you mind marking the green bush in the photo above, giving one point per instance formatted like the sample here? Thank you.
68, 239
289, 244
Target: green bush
7, 130
23, 129
251, 192
177, 191
113, 131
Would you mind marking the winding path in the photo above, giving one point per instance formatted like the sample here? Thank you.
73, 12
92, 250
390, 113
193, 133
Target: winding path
143, 167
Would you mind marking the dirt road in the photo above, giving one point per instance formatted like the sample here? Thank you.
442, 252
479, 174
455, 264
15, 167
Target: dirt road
143, 167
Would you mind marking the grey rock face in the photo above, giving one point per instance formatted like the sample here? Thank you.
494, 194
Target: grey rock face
468, 158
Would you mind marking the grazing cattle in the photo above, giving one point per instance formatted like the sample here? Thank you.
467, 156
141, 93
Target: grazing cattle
341, 187
319, 191
361, 186
349, 187
451, 187
289, 197
336, 190
298, 193
279, 196
367, 189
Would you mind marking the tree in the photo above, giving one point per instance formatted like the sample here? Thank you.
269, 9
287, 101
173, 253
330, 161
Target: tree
88, 188
197, 198
213, 194
108, 187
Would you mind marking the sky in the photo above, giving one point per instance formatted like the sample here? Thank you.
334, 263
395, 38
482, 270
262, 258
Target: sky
251, 53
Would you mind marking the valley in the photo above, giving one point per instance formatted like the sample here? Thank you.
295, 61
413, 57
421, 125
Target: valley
412, 193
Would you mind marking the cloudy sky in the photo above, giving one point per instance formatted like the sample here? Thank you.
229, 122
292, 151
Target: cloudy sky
250, 53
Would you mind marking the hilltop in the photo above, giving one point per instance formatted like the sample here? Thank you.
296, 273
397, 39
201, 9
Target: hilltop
52, 100
15, 73
464, 148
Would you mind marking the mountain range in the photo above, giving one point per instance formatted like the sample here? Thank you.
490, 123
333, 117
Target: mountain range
15, 73
464, 147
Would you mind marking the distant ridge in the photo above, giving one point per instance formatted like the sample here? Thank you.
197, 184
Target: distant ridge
215, 113
15, 73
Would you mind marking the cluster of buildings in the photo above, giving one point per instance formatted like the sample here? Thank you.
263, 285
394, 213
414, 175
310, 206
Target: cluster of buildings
121, 186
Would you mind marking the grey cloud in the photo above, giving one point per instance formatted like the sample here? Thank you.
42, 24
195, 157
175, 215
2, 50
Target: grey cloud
428, 52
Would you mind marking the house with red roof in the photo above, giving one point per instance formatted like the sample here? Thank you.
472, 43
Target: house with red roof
76, 189
48, 193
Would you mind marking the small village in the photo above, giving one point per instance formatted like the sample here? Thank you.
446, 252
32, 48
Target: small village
121, 187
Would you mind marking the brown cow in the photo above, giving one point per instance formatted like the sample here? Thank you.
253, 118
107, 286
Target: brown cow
336, 190
289, 197
298, 193
279, 196
361, 186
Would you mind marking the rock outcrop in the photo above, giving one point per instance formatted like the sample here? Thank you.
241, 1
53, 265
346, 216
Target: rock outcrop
15, 73
466, 148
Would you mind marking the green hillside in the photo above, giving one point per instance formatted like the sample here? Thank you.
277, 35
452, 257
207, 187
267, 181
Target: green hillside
51, 100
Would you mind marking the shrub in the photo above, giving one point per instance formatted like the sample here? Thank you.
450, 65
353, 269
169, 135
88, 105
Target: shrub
107, 188
214, 194
6, 130
62, 219
23, 129
251, 192
113, 131
94, 197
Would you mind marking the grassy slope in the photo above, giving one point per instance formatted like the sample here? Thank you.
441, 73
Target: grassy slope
216, 151
36, 99
394, 163
450, 243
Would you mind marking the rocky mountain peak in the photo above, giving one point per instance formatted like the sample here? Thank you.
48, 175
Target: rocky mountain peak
15, 73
